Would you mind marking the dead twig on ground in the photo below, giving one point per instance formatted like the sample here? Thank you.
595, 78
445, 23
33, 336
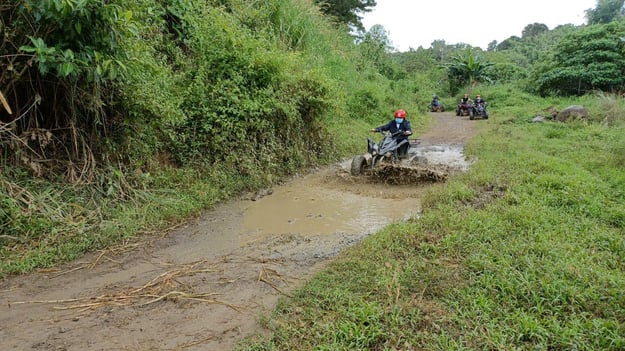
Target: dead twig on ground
164, 287
123, 248
5, 104
265, 275
194, 343
9, 237
69, 271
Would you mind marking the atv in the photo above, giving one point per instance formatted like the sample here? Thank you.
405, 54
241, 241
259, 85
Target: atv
387, 151
464, 109
479, 110
436, 106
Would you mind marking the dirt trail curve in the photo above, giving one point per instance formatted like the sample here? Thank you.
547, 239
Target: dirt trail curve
202, 287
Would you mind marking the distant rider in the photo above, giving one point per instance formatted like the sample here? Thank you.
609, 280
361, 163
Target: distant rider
479, 100
399, 123
435, 102
466, 100
464, 105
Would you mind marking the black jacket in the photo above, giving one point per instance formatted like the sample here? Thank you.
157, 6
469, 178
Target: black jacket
392, 127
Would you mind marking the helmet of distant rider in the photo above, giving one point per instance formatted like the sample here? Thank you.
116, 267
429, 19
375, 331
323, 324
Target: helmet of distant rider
400, 114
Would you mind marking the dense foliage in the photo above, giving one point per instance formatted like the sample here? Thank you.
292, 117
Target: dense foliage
61, 60
606, 11
347, 11
588, 59
227, 95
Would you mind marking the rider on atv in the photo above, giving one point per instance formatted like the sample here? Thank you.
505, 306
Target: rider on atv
478, 100
436, 105
465, 105
399, 124
479, 107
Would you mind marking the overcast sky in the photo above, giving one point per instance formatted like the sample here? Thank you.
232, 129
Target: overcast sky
414, 23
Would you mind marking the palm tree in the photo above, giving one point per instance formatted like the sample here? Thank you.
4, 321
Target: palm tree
467, 69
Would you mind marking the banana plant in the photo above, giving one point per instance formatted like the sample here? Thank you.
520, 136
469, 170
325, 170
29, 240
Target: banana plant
468, 69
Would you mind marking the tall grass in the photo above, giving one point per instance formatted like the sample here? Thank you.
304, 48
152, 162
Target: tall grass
523, 252
46, 223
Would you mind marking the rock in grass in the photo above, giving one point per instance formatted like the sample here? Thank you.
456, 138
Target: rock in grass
571, 113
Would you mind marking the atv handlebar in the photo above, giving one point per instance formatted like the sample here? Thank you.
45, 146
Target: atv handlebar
397, 133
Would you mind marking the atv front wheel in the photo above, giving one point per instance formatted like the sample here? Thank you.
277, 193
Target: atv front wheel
359, 163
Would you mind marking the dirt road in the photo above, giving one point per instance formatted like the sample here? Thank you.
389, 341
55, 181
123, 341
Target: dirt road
203, 287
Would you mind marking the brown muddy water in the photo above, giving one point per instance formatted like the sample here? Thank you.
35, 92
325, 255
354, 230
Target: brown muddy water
333, 202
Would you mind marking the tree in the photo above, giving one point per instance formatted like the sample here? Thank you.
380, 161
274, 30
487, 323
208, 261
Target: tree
440, 50
492, 46
509, 43
375, 48
532, 30
347, 11
467, 69
590, 58
605, 12
380, 36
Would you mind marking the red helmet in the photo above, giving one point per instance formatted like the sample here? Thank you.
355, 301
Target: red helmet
400, 114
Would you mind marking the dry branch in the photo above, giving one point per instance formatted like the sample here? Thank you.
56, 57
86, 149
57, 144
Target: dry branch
194, 343
265, 275
164, 287
5, 103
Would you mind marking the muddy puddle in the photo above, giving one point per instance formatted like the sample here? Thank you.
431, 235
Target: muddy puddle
316, 209
334, 202
310, 217
313, 215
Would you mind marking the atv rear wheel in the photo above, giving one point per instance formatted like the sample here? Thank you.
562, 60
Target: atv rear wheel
359, 163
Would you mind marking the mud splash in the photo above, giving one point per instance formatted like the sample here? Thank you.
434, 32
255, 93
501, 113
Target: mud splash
449, 156
335, 202
425, 163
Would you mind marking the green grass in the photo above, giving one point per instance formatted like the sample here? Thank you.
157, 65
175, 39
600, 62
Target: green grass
524, 252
